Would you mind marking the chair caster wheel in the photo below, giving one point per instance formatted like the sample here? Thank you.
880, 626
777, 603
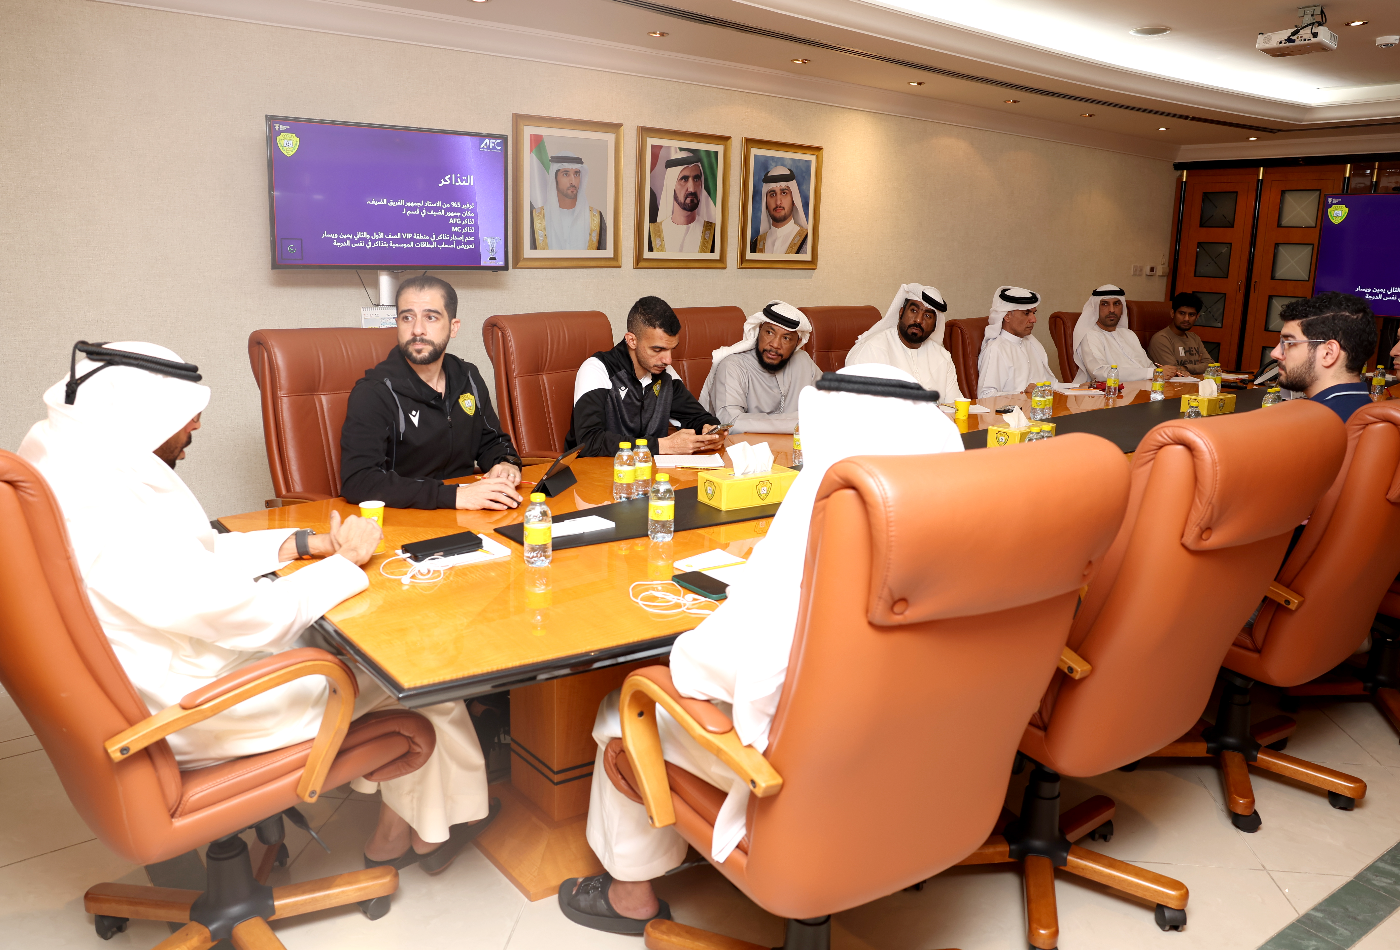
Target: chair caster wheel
1169, 918
1289, 704
375, 908
283, 856
916, 887
1247, 823
109, 927
1103, 832
1340, 801
1130, 767
1279, 746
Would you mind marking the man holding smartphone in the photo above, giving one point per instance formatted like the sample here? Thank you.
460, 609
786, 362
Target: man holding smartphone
631, 392
753, 384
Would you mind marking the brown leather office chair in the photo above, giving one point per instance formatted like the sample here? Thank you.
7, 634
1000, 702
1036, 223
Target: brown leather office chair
305, 377
1318, 611
935, 670
1212, 508
963, 340
1062, 332
1146, 317
537, 356
111, 756
834, 332
703, 330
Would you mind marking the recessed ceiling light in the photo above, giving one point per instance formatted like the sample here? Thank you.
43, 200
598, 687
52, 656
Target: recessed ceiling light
1086, 115
1011, 102
1161, 128
1151, 31
801, 62
912, 83
1357, 22
1254, 138
656, 33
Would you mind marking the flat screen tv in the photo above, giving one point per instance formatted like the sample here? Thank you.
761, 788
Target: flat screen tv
351, 194
1359, 250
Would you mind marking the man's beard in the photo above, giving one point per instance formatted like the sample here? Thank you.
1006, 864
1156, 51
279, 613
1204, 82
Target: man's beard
912, 340
775, 370
432, 356
169, 450
689, 203
1300, 379
779, 222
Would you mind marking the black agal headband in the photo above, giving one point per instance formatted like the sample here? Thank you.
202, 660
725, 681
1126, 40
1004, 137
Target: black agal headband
1023, 301
1110, 292
938, 305
99, 353
772, 177
875, 386
681, 161
787, 323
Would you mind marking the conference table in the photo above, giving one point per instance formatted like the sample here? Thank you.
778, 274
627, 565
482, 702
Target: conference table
561, 637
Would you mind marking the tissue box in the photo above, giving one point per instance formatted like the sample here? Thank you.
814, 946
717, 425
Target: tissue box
1005, 435
1210, 405
719, 488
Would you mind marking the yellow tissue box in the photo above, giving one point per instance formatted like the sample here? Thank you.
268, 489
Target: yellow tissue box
719, 488
1210, 405
1005, 435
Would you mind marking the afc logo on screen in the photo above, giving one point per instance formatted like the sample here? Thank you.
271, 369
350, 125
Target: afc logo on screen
492, 145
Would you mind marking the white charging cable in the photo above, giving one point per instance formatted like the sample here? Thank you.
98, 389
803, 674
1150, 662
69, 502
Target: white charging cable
658, 597
427, 571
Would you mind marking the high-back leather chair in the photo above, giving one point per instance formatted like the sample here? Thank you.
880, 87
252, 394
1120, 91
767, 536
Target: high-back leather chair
834, 332
963, 340
305, 377
1212, 509
1062, 332
936, 671
537, 356
111, 755
1146, 317
703, 330
1317, 612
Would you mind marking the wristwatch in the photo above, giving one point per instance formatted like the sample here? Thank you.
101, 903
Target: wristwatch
304, 542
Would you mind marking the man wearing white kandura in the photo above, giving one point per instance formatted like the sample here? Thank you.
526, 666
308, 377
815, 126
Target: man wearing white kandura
753, 385
737, 657
910, 338
1102, 338
183, 606
1011, 358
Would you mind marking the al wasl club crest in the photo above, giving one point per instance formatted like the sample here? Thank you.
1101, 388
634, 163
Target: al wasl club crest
709, 491
656, 388
1003, 437
763, 488
468, 403
1337, 214
288, 143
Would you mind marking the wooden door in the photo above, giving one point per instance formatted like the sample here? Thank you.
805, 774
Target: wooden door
1215, 229
1285, 251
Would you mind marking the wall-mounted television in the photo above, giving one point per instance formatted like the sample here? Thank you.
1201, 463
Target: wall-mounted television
351, 194
1359, 250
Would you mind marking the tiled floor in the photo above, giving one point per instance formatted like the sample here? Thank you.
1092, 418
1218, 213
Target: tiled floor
1244, 888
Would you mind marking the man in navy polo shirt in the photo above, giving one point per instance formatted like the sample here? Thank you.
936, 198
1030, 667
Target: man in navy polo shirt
1323, 348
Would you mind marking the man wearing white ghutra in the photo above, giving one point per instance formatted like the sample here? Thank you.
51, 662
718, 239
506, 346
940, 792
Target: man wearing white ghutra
784, 227
685, 214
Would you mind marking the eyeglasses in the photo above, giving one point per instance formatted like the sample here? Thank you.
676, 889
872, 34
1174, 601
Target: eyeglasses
1285, 344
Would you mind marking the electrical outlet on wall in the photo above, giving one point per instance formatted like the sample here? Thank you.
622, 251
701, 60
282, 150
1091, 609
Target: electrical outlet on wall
1137, 270
1153, 270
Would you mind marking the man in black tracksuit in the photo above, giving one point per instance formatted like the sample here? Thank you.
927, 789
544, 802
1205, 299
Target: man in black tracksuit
424, 415
629, 392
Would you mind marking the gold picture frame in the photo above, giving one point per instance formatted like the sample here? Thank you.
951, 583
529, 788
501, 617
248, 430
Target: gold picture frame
712, 211
804, 162
535, 204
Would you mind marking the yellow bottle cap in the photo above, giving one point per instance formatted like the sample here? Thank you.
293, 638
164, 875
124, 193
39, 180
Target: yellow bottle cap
663, 477
641, 441
536, 496
624, 445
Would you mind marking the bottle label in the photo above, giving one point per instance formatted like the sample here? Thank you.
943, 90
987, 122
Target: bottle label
624, 475
662, 511
796, 442
1042, 402
538, 533
643, 472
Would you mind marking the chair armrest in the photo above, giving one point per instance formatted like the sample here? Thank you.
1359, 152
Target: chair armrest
642, 692
1283, 595
1074, 665
244, 684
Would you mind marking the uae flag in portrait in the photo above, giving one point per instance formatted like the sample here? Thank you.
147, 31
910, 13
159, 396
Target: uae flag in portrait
539, 171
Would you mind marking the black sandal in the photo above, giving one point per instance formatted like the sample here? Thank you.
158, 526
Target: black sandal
589, 906
437, 860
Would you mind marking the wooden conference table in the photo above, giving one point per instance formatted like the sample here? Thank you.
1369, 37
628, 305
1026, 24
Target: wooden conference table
560, 638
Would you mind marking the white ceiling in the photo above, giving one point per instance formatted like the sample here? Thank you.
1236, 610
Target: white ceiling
1220, 92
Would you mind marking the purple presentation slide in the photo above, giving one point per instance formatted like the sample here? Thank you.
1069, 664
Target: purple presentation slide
1359, 251
352, 195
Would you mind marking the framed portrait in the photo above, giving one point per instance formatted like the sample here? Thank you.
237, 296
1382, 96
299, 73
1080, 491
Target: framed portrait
567, 193
682, 199
781, 204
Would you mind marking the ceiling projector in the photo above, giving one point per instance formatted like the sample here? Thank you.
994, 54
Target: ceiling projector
1313, 38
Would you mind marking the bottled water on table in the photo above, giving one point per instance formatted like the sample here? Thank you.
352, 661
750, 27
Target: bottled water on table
641, 476
1213, 372
1273, 397
539, 532
1193, 409
661, 510
796, 446
624, 471
1111, 384
1158, 382
1378, 384
1042, 402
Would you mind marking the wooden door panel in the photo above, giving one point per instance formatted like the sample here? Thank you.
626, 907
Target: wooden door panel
1217, 220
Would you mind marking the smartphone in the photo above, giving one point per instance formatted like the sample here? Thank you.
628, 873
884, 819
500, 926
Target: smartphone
722, 431
447, 546
703, 584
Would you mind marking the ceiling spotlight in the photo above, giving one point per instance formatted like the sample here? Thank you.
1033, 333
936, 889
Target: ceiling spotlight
1151, 31
1086, 115
1357, 22
656, 33
801, 62
912, 83
1161, 128
1011, 102
1254, 138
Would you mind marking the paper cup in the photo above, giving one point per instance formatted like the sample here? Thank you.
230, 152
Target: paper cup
960, 408
374, 511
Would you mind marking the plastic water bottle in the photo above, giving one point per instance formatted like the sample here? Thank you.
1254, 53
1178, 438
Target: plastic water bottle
1158, 382
1033, 434
1213, 372
641, 478
1378, 384
661, 510
1111, 384
539, 532
796, 446
624, 471
1273, 397
1193, 408
1042, 402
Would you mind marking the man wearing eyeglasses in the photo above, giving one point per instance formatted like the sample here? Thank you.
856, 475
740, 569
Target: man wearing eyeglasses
1323, 348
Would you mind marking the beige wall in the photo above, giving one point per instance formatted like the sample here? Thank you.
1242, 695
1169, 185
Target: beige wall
133, 183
